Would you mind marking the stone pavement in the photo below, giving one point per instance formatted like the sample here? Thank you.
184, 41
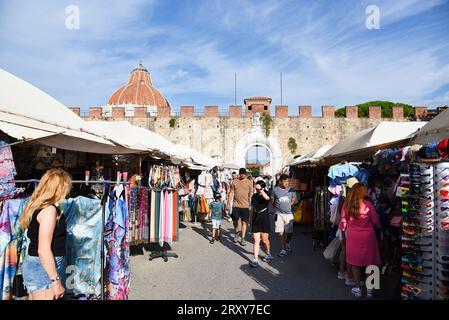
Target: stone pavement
221, 271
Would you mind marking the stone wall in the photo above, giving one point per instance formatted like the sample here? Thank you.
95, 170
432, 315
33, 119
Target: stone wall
218, 135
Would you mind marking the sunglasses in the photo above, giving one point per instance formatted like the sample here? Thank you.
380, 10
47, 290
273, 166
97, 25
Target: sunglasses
415, 237
410, 288
444, 183
420, 197
444, 192
414, 281
419, 167
411, 259
412, 230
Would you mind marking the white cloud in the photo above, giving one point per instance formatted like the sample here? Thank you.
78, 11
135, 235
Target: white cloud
325, 53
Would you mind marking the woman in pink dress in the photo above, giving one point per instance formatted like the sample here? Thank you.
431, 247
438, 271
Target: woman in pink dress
358, 219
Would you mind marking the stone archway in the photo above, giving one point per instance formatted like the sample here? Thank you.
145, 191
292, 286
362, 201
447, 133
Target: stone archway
257, 137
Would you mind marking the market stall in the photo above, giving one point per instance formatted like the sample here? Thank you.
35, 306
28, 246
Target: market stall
109, 172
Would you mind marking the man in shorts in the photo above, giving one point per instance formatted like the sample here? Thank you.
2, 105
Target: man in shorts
282, 202
242, 189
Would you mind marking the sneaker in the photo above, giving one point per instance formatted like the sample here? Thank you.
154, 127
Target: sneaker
357, 292
283, 253
369, 293
212, 241
218, 239
349, 282
236, 237
254, 263
288, 247
341, 275
243, 243
267, 258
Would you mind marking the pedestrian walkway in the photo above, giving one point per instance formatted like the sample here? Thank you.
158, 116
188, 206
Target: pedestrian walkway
221, 271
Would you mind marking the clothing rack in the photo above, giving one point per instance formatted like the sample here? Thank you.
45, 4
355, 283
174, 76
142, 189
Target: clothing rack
106, 189
161, 253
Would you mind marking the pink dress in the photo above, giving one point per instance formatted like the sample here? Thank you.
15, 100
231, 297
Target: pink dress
361, 241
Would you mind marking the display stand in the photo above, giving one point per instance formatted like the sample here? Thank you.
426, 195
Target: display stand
162, 254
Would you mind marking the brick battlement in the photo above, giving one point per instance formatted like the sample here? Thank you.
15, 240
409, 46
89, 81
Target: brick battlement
420, 113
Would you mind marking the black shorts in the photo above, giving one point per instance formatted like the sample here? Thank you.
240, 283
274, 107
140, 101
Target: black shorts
261, 223
240, 213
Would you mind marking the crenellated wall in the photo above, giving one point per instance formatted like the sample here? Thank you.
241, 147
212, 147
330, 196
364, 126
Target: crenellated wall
215, 134
236, 111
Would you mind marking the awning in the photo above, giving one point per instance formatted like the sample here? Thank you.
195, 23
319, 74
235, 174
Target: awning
26, 129
436, 129
197, 157
361, 145
136, 138
230, 166
313, 155
29, 114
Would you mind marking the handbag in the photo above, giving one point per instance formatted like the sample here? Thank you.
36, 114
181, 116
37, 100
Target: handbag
18, 288
332, 249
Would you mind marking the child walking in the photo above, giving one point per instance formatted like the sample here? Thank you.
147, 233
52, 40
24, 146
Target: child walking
216, 208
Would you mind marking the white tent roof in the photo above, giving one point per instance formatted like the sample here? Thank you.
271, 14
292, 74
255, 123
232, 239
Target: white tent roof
315, 154
30, 114
385, 134
230, 166
135, 137
142, 139
197, 157
435, 130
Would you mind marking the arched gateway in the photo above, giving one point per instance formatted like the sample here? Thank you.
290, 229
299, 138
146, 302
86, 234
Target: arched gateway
256, 136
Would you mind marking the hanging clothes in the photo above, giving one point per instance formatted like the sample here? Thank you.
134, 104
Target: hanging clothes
8, 245
152, 216
7, 170
143, 222
118, 277
83, 244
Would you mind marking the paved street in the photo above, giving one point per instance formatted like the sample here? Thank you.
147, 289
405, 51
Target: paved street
221, 271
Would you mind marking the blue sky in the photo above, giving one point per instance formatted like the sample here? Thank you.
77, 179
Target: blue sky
193, 48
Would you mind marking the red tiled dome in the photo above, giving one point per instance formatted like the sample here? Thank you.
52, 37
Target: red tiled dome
138, 91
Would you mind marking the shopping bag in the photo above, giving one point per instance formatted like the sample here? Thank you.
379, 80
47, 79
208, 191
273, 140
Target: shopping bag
297, 215
332, 249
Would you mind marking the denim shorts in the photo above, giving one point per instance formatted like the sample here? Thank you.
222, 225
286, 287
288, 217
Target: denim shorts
35, 278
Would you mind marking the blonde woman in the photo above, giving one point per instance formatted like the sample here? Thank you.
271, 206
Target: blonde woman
43, 268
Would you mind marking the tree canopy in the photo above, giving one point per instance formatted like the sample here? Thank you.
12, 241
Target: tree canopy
386, 106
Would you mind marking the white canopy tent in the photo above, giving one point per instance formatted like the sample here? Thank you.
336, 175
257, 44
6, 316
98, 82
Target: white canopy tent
29, 114
137, 138
230, 166
199, 160
435, 130
366, 142
142, 139
313, 155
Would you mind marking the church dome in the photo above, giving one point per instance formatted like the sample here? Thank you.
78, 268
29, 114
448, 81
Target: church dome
138, 91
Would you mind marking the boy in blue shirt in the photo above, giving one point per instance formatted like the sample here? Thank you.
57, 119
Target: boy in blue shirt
216, 208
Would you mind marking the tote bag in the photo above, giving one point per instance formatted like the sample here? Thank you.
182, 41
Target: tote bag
332, 249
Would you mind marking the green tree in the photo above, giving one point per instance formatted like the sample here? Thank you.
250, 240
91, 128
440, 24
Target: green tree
386, 107
172, 122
